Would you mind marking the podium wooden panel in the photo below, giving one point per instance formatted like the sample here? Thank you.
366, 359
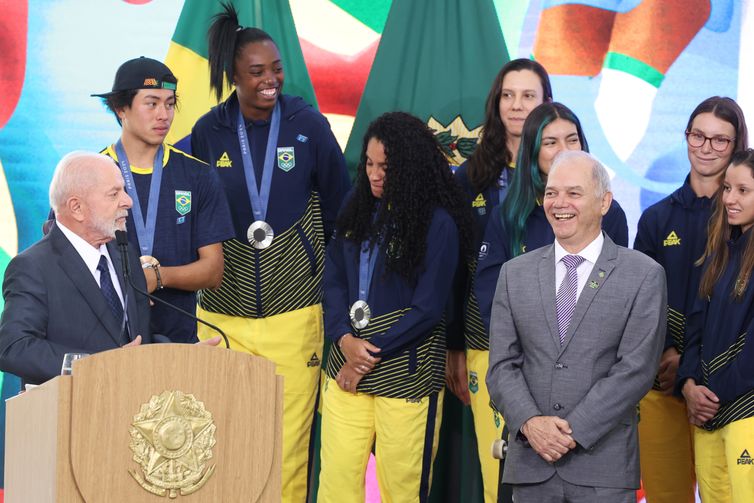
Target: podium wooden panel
68, 440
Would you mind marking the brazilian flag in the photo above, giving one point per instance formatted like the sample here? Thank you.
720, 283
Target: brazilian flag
436, 60
187, 56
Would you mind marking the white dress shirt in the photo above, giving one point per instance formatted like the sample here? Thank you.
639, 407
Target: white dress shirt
90, 255
590, 253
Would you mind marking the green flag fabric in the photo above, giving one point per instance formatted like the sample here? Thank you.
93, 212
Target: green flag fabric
187, 55
436, 60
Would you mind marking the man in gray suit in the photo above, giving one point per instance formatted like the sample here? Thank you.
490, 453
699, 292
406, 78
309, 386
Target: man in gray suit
576, 333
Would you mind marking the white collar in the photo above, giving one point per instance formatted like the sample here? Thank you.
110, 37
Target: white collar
590, 252
88, 253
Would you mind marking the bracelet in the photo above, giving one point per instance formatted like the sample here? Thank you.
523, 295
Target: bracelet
156, 269
148, 261
340, 341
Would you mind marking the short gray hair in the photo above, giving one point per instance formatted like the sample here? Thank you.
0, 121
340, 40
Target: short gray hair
599, 173
74, 176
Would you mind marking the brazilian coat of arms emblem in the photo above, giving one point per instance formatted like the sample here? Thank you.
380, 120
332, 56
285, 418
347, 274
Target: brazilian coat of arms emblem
171, 439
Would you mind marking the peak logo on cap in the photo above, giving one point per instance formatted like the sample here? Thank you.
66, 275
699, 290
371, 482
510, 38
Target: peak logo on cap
150, 82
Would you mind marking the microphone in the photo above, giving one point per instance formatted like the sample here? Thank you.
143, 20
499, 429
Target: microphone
126, 274
122, 240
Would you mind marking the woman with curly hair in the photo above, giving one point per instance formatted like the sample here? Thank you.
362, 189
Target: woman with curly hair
388, 275
285, 179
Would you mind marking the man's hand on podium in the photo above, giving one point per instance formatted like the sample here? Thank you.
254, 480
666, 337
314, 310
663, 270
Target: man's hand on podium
135, 342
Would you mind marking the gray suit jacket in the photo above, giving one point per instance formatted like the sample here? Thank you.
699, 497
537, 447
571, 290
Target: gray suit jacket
595, 379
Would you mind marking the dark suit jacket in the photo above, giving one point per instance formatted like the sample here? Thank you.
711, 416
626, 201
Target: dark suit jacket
594, 379
54, 306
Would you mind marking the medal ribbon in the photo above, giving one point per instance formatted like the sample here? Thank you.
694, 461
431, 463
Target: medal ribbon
144, 228
367, 261
259, 196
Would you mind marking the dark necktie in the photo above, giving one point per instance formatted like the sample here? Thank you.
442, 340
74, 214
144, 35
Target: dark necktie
565, 300
108, 290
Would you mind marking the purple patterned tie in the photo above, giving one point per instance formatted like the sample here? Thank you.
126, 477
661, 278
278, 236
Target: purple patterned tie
565, 300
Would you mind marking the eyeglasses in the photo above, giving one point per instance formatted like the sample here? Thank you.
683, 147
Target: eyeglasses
718, 143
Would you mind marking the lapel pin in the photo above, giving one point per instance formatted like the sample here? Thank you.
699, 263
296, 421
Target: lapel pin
601, 274
593, 284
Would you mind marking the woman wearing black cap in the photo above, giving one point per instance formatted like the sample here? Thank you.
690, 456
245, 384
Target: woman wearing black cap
285, 178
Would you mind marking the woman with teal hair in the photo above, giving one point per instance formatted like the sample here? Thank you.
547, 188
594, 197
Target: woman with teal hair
519, 224
548, 129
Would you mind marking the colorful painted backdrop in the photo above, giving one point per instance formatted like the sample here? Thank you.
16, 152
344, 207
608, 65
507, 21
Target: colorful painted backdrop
632, 70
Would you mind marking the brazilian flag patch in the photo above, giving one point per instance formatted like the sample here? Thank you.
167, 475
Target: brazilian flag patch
286, 158
183, 201
473, 382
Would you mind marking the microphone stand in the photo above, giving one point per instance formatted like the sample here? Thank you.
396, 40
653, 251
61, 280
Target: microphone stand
122, 240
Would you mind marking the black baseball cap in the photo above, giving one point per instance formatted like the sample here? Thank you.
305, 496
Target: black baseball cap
142, 73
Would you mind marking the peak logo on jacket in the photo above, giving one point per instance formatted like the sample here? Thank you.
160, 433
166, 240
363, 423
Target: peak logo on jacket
672, 240
224, 161
479, 202
745, 458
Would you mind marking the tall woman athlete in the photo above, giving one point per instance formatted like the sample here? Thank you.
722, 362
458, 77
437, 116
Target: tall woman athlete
285, 178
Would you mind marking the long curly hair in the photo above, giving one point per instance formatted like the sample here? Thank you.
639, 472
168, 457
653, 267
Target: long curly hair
418, 180
491, 155
528, 182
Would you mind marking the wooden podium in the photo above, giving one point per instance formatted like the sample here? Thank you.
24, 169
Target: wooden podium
159, 422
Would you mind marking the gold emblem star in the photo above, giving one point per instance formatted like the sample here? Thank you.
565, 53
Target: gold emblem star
171, 438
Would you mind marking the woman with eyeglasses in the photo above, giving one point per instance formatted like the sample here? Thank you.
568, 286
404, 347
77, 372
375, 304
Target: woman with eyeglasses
716, 375
673, 231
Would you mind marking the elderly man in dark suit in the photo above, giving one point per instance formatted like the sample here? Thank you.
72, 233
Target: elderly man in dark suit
576, 333
65, 293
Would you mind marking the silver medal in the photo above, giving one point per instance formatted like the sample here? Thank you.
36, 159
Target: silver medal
260, 235
360, 314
